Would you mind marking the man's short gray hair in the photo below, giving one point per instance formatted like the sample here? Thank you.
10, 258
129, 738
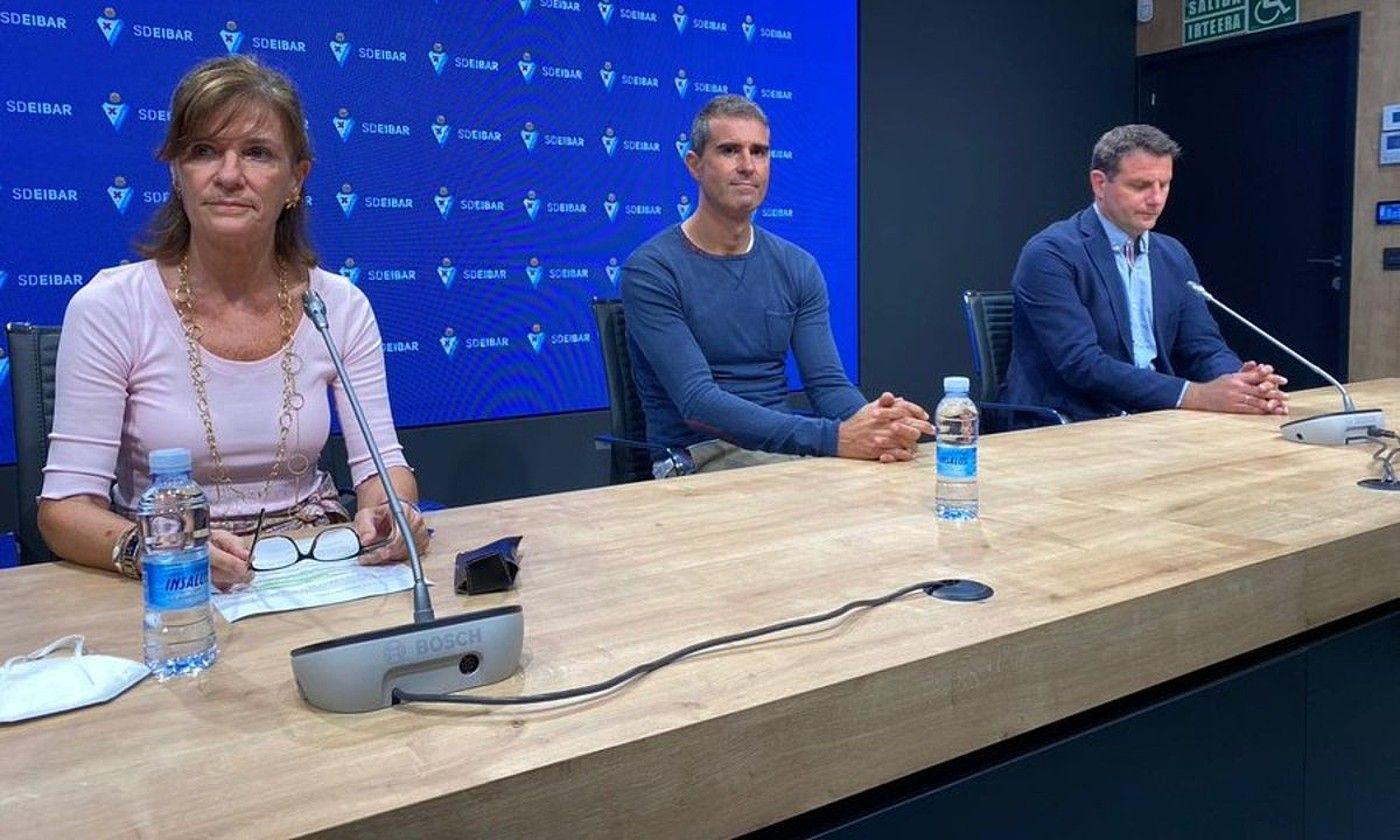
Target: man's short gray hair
724, 105
1126, 139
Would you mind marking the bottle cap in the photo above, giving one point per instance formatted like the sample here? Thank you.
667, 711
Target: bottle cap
956, 384
166, 461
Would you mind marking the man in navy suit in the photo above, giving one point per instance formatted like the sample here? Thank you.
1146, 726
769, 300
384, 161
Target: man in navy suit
1104, 322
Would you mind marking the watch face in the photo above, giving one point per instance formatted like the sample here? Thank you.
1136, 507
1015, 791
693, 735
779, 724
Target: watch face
126, 554
1144, 11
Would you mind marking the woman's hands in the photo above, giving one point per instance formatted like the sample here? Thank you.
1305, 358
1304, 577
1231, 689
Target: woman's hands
375, 524
229, 560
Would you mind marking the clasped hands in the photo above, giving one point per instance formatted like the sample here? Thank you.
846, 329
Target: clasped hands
886, 429
1254, 389
230, 556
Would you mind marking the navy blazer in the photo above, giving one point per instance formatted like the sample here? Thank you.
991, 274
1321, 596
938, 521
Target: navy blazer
1071, 345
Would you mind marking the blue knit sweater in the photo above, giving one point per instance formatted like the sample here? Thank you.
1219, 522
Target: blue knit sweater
709, 337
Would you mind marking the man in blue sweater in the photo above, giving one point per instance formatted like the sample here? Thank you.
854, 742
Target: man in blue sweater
713, 306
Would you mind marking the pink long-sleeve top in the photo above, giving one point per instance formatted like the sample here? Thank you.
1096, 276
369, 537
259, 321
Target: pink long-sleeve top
124, 389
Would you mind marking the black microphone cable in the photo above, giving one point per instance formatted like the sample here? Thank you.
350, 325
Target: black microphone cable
927, 586
1385, 452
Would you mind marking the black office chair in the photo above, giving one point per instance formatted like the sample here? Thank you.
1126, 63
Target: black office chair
33, 352
632, 456
33, 355
988, 316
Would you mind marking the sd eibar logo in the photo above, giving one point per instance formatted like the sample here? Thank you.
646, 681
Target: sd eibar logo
110, 25
120, 194
350, 271
116, 110
438, 56
340, 48
344, 124
447, 272
346, 198
232, 38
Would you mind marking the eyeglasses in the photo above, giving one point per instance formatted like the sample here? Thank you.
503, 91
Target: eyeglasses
341, 542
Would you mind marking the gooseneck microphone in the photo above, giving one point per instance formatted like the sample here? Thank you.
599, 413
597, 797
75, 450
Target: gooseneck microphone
422, 604
1350, 425
360, 673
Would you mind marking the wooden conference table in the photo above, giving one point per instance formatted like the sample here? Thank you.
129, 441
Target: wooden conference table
1124, 552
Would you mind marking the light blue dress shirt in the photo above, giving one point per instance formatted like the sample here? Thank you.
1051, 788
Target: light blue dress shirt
1136, 274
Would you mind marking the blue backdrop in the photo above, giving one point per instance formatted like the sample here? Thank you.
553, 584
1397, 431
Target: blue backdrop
481, 167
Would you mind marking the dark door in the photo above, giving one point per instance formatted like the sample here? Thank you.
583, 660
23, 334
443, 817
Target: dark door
1261, 196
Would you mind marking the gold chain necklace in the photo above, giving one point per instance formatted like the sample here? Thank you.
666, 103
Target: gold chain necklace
291, 400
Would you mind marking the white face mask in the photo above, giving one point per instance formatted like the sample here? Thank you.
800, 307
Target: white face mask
33, 686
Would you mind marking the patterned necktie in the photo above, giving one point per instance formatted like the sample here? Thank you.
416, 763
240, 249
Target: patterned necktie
1140, 305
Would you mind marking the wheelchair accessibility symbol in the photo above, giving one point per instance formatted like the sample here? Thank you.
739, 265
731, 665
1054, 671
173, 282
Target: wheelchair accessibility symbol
1267, 13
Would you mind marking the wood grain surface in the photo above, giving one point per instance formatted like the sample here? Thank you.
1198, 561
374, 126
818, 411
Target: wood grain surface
1123, 552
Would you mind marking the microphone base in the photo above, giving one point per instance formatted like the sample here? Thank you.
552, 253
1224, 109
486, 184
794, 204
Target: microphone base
1379, 484
1339, 428
359, 673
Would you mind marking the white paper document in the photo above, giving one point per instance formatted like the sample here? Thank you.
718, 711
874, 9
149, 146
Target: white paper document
311, 583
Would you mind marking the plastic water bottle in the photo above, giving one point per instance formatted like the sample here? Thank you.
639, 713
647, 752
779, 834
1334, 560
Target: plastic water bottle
174, 518
955, 420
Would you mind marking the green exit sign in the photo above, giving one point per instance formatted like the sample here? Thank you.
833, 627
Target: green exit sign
1208, 20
